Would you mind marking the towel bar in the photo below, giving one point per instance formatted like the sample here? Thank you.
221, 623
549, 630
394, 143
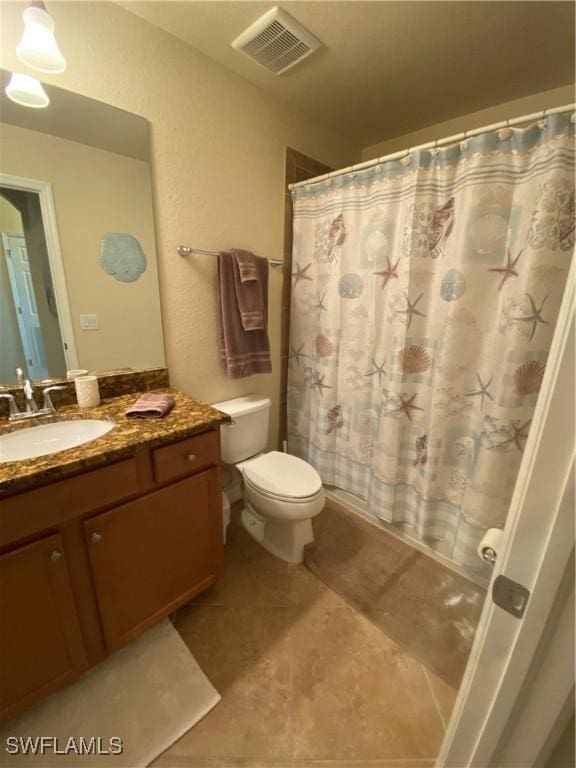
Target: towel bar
185, 250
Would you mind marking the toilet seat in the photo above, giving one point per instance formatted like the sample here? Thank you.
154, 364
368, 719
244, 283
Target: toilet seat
276, 497
282, 477
284, 510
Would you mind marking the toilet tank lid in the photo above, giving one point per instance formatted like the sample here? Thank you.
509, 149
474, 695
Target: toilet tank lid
241, 406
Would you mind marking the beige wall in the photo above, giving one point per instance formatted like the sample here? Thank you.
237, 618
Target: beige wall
556, 97
96, 192
10, 219
217, 160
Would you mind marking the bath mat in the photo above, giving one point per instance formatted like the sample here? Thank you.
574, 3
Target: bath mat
429, 610
147, 694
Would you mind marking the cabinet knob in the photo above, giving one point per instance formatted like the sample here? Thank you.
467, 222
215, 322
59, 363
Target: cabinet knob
191, 456
56, 555
96, 537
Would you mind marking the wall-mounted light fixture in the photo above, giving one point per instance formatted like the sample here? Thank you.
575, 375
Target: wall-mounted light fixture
38, 47
27, 91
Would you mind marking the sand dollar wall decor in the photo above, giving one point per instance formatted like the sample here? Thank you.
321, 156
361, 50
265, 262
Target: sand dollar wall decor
122, 257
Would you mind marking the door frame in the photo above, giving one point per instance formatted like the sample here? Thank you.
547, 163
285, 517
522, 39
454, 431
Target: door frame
48, 209
537, 548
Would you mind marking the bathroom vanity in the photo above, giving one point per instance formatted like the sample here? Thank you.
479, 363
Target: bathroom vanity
101, 541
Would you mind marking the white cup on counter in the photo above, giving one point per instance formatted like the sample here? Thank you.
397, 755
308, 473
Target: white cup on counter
75, 373
87, 391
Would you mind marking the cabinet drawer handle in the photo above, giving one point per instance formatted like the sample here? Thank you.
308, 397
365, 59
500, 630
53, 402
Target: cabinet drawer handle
56, 555
96, 537
191, 456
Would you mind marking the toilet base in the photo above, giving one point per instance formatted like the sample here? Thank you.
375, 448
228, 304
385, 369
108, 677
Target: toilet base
284, 539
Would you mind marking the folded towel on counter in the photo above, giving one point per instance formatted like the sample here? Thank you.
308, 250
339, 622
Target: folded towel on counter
250, 272
152, 405
244, 347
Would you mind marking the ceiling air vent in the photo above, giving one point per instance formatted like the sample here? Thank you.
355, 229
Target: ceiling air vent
276, 41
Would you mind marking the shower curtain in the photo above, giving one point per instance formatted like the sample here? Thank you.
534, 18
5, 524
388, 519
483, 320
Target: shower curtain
424, 297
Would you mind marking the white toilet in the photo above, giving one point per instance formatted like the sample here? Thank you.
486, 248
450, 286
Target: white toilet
282, 493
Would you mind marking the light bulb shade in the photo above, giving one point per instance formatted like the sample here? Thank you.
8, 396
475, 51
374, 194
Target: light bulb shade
27, 91
38, 47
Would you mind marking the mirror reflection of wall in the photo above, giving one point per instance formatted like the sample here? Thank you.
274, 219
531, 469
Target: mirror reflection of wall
78, 274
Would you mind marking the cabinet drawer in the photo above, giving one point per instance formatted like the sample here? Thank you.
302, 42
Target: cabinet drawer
37, 510
186, 457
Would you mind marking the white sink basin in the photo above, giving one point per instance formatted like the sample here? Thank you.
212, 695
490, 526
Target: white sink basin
31, 442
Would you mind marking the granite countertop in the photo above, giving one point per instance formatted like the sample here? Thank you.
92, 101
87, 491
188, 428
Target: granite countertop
187, 418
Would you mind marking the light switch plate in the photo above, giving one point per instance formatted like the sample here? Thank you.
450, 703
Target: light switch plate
89, 322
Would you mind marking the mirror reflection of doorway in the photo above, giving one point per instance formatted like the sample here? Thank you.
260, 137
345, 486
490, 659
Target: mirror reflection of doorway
30, 335
20, 278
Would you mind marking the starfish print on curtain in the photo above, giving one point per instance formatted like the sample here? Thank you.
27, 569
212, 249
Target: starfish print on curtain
411, 310
502, 436
300, 273
297, 354
319, 385
407, 406
378, 370
535, 317
320, 306
388, 273
507, 271
482, 391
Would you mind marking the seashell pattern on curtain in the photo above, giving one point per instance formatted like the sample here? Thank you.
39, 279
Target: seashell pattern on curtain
424, 299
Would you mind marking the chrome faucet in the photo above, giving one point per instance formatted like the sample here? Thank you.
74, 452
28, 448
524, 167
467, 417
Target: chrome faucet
13, 411
32, 410
48, 406
28, 389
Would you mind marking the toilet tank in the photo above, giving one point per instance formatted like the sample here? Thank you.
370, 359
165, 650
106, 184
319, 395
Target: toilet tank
247, 435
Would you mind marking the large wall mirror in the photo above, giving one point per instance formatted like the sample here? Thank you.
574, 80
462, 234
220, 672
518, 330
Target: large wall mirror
78, 272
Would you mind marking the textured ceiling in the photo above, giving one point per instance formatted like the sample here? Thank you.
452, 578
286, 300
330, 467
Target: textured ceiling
388, 68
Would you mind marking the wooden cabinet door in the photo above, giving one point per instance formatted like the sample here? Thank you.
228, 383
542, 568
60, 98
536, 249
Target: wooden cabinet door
41, 646
153, 554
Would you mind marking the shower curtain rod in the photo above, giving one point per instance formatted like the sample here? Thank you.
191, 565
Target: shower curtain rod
436, 143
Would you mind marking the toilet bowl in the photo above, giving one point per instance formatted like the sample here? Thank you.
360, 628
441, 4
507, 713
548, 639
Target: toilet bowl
282, 493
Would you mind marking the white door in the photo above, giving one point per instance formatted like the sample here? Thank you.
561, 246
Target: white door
25, 302
537, 551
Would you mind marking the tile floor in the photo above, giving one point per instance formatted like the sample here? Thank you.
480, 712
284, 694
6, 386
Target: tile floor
428, 609
306, 681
